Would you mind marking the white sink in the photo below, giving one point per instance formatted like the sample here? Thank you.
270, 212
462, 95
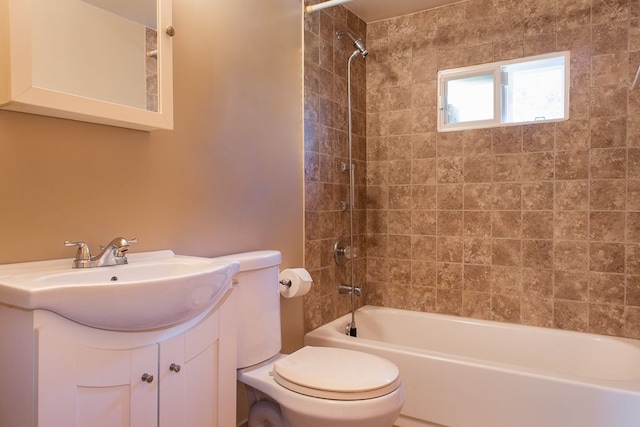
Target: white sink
155, 290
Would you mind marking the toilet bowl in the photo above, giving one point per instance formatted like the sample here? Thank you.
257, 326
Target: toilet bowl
313, 386
311, 398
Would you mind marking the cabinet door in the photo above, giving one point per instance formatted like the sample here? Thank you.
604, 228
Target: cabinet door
192, 396
84, 386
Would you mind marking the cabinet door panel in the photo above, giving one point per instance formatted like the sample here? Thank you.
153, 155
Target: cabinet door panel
189, 397
172, 390
201, 388
84, 386
103, 406
56, 380
101, 368
144, 395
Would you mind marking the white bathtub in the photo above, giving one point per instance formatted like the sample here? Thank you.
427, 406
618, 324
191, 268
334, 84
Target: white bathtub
460, 372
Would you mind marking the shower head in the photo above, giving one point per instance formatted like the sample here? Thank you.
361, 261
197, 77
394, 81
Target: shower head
357, 43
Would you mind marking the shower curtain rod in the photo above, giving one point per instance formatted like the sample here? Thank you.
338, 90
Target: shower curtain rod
314, 7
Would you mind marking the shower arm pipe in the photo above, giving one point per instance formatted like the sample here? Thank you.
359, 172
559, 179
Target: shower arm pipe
342, 33
315, 7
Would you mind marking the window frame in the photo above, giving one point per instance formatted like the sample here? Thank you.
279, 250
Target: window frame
495, 68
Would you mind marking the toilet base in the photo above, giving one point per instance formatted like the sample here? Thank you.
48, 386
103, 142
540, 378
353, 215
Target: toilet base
265, 413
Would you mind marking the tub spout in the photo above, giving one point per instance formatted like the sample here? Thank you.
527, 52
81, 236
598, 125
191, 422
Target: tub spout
348, 289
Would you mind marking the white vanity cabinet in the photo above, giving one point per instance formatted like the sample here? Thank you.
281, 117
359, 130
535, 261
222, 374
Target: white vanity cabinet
65, 374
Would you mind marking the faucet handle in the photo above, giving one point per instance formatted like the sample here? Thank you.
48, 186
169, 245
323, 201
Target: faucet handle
82, 253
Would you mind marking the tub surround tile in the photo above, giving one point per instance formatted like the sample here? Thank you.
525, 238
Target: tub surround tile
507, 168
633, 258
506, 196
606, 319
608, 194
506, 280
570, 315
450, 196
633, 227
424, 273
477, 251
571, 285
477, 278
572, 164
476, 305
537, 311
325, 148
477, 169
573, 134
534, 224
571, 255
607, 226
607, 257
421, 298
507, 224
478, 196
449, 301
537, 283
537, 253
539, 137
507, 252
608, 163
571, 195
538, 195
605, 288
505, 308
400, 271
477, 224
538, 166
609, 132
423, 247
537, 224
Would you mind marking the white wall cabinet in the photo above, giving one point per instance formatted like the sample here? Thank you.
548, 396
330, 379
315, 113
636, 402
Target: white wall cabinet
71, 375
100, 61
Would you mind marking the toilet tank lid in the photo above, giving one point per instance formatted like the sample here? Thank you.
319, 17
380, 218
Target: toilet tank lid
255, 260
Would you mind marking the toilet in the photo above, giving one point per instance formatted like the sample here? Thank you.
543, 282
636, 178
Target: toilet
314, 386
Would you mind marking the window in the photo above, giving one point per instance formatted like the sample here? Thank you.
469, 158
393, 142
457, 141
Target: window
526, 90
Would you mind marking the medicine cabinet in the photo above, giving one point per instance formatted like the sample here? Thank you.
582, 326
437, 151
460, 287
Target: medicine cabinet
99, 61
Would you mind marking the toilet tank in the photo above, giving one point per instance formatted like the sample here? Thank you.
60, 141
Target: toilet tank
257, 294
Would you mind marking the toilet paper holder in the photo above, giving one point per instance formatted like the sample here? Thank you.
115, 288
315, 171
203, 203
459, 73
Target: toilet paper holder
294, 282
286, 283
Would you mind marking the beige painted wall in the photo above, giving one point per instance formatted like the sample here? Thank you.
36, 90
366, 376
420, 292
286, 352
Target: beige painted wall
229, 178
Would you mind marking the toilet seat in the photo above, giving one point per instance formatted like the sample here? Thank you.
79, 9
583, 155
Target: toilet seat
336, 373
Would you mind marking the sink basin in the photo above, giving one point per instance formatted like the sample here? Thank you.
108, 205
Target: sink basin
155, 290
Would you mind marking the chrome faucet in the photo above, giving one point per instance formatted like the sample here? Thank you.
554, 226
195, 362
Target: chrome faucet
111, 254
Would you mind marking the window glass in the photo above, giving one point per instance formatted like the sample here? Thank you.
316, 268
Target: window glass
469, 99
529, 90
535, 90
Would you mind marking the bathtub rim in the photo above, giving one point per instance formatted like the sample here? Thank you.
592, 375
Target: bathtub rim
331, 332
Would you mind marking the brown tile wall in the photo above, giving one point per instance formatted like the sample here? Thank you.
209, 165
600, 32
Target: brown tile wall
536, 224
325, 147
